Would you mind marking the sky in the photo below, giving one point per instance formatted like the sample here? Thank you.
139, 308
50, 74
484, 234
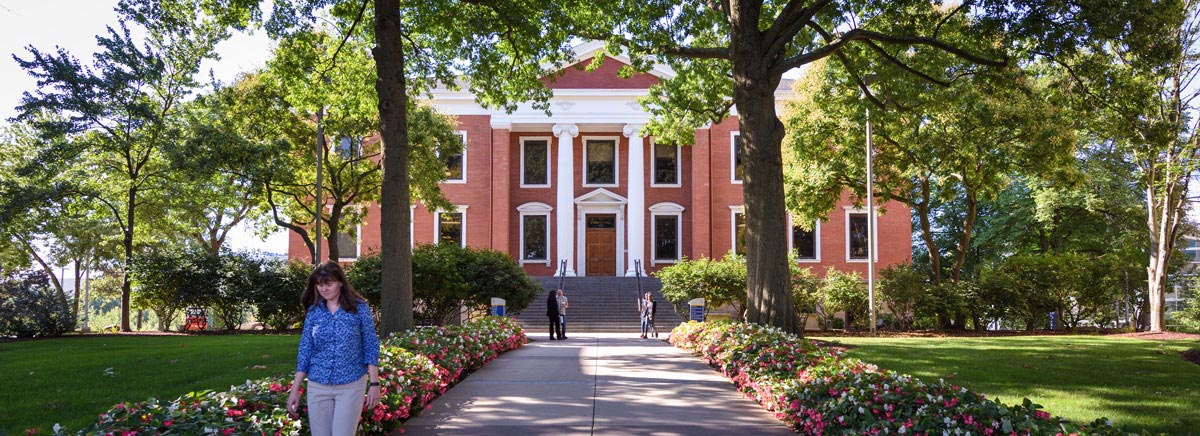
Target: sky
73, 25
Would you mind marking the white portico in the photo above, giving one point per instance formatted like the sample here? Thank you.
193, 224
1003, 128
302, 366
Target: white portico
586, 159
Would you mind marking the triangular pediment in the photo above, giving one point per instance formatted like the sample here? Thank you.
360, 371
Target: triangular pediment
599, 197
576, 76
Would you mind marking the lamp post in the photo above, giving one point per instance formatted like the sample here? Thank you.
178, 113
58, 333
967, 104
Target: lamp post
870, 216
320, 203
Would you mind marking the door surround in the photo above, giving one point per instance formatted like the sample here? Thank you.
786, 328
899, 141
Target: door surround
599, 201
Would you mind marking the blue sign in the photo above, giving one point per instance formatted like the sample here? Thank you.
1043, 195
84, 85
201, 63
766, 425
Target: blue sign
697, 313
498, 310
1053, 320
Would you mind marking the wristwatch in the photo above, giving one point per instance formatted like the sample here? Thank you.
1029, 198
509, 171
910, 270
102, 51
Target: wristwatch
374, 383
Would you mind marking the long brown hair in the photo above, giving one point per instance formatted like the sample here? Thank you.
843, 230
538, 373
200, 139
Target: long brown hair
330, 271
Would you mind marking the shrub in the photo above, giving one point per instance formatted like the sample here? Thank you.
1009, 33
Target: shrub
846, 291
168, 280
29, 307
718, 282
805, 293
448, 277
1187, 318
276, 296
819, 392
239, 275
900, 287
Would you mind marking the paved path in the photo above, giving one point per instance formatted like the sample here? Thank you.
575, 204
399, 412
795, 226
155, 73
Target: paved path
595, 384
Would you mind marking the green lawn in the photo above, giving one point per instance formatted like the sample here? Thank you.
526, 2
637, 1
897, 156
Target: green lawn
1139, 384
71, 380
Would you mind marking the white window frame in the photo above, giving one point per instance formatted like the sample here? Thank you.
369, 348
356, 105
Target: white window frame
816, 240
733, 211
872, 239
463, 135
733, 157
654, 170
616, 161
534, 209
666, 209
437, 225
549, 144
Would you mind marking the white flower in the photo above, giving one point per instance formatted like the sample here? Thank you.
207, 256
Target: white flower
902, 430
57, 428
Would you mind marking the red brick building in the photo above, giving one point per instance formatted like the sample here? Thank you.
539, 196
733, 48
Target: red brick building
623, 197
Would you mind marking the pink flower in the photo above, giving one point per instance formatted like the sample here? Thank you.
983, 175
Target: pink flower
227, 431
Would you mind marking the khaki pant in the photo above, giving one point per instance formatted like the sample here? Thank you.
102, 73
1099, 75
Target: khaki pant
333, 410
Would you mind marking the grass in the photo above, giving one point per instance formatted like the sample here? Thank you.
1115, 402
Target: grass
1138, 384
73, 379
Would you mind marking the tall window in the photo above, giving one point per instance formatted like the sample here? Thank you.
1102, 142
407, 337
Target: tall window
666, 238
535, 235
601, 164
857, 239
739, 233
450, 228
535, 162
736, 154
347, 246
456, 162
666, 164
804, 242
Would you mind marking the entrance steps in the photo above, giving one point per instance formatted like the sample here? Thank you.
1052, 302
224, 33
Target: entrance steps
598, 304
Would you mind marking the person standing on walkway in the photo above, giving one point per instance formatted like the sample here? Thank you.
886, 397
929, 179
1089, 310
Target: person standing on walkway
338, 354
562, 314
647, 310
552, 313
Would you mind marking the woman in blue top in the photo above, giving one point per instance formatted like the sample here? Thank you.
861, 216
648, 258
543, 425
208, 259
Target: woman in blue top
339, 353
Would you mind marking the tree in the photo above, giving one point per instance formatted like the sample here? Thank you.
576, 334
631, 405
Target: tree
498, 49
119, 113
735, 53
945, 153
1141, 92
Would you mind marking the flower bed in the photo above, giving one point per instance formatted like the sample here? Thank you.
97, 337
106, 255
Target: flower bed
817, 391
414, 368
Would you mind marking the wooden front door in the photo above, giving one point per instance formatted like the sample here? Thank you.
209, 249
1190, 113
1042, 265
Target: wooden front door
601, 240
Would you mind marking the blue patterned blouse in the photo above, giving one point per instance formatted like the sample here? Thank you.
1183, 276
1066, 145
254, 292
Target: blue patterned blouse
335, 348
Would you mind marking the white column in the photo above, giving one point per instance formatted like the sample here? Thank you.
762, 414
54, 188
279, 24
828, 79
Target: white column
565, 216
637, 199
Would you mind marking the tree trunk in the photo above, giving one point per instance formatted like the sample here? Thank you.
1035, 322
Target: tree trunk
331, 235
935, 254
767, 275
128, 243
964, 243
395, 247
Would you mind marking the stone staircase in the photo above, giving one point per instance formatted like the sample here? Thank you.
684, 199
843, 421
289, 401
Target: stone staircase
598, 304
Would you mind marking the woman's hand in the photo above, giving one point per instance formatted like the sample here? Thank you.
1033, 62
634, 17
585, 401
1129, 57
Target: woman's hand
293, 403
373, 396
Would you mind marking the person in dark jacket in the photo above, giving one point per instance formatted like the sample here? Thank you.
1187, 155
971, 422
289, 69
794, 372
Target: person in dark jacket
552, 313
647, 309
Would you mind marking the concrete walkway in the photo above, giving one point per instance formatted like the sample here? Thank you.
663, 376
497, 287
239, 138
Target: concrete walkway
595, 384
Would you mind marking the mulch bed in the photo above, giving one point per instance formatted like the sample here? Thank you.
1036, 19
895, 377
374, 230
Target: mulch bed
1161, 336
1192, 355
